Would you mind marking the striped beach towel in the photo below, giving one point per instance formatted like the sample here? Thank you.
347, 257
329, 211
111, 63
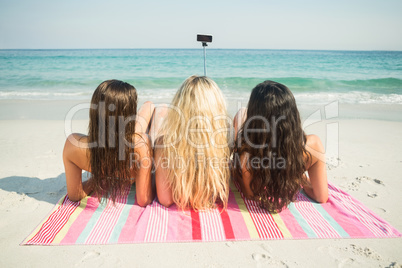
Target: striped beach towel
91, 222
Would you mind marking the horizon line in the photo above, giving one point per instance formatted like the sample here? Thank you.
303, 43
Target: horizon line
289, 49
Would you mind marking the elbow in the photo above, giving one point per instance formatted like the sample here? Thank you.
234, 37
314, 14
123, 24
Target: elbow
249, 196
322, 199
74, 198
317, 197
144, 201
166, 203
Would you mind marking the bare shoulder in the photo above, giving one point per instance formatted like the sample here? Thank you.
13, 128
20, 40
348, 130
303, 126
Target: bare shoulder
316, 150
313, 142
76, 151
76, 143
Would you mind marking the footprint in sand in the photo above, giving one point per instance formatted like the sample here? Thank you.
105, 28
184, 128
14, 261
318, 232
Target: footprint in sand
260, 257
394, 265
364, 165
378, 181
354, 186
266, 259
366, 252
95, 258
333, 163
266, 247
348, 262
370, 180
354, 256
356, 183
229, 244
351, 186
89, 256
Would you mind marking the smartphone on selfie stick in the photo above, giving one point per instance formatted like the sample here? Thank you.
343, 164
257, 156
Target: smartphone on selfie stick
204, 39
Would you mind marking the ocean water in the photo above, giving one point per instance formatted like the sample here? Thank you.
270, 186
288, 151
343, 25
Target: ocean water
313, 76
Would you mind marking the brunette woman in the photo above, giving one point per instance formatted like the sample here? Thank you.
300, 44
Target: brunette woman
273, 157
117, 150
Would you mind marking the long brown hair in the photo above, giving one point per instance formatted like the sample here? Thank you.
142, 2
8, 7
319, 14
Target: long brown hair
113, 106
272, 133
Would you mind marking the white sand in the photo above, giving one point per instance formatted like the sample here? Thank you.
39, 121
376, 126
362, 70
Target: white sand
32, 180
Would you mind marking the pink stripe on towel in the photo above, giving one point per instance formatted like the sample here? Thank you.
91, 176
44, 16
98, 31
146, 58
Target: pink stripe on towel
157, 224
55, 223
211, 225
184, 225
79, 224
130, 228
375, 224
292, 225
238, 225
179, 225
107, 221
320, 226
265, 224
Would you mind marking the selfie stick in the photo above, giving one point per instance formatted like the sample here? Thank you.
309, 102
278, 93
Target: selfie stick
204, 39
204, 45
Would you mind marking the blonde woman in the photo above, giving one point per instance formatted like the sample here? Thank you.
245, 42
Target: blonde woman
191, 155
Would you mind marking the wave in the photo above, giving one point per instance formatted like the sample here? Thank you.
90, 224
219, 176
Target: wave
298, 84
376, 90
35, 95
389, 85
355, 97
158, 96
35, 83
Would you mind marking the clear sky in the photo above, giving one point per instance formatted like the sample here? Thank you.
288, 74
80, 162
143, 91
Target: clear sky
267, 24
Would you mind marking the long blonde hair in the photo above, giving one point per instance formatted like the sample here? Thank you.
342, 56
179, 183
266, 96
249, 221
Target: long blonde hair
195, 137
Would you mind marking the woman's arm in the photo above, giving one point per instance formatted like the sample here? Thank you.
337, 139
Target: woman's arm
142, 170
163, 190
75, 160
317, 185
245, 179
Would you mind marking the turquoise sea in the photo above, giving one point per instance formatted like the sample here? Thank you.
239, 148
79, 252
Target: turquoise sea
313, 76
